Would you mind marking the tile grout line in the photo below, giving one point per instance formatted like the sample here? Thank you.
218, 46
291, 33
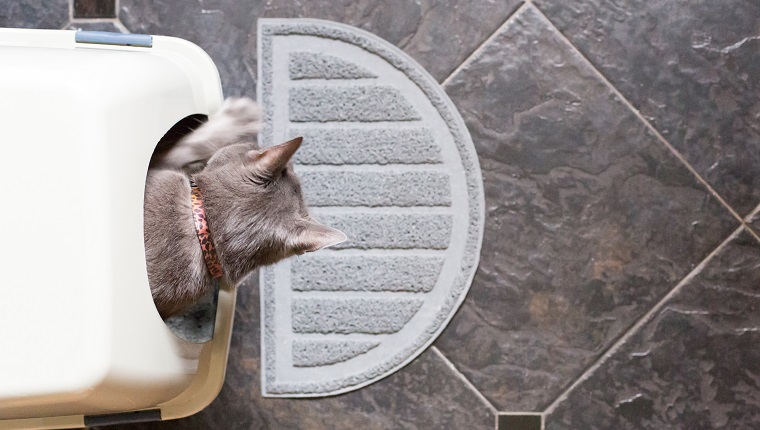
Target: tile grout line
748, 220
752, 214
80, 20
71, 15
466, 381
632, 330
751, 231
115, 21
482, 46
118, 24
641, 118
123, 28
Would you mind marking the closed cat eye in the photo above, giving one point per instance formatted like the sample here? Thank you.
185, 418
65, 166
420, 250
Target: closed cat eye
258, 180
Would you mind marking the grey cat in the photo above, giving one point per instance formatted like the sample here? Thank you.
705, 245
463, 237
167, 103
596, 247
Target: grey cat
253, 205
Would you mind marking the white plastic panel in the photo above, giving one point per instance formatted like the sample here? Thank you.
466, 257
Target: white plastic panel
78, 328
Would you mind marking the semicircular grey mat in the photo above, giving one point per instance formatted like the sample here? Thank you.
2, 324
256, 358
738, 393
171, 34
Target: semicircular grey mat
388, 160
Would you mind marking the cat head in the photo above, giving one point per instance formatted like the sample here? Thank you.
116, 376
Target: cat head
256, 211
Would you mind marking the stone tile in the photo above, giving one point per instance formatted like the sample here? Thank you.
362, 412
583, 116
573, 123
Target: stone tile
224, 36
50, 14
94, 8
589, 219
425, 394
691, 67
439, 34
694, 365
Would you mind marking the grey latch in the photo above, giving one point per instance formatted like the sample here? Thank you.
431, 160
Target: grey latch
109, 38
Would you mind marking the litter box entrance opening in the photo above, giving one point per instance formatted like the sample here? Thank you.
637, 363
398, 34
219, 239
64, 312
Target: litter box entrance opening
196, 324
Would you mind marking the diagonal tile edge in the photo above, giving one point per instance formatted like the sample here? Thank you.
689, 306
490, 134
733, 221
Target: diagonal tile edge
576, 272
639, 323
752, 214
466, 381
118, 24
637, 113
751, 223
476, 52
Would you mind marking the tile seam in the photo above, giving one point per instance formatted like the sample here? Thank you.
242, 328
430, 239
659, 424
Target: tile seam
753, 213
633, 329
467, 382
748, 222
123, 28
92, 20
476, 52
751, 231
117, 23
638, 115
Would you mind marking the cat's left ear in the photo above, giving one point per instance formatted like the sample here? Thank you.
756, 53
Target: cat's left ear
270, 161
315, 236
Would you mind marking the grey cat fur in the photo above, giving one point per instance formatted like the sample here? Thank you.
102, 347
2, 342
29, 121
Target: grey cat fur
254, 208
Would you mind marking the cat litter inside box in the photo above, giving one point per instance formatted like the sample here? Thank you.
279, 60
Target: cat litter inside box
82, 341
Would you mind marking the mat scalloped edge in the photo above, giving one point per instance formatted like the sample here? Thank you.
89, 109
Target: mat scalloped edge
388, 160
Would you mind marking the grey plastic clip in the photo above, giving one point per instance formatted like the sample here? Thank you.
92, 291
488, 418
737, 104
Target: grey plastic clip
119, 39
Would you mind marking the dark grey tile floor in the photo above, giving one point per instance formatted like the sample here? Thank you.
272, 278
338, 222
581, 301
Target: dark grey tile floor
619, 283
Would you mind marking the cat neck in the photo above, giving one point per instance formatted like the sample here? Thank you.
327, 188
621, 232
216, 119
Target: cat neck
210, 257
235, 244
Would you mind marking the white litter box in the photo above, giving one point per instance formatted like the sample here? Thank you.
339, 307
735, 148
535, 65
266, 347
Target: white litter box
81, 342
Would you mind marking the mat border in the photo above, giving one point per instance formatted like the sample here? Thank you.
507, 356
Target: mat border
268, 28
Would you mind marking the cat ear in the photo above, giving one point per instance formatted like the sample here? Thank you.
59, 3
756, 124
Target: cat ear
315, 236
270, 161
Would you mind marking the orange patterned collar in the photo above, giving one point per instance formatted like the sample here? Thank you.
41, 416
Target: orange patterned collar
202, 230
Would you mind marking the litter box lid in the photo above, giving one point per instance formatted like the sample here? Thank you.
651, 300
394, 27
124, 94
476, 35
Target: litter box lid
80, 115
